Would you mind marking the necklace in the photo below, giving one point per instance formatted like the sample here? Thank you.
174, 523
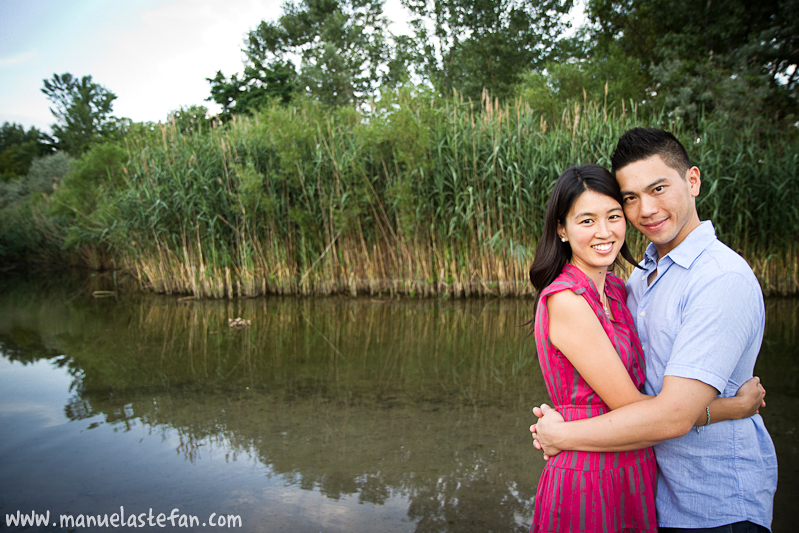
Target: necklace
605, 305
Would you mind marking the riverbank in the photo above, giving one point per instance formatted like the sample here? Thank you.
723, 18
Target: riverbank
417, 196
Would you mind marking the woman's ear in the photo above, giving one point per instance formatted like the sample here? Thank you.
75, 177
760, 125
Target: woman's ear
562, 233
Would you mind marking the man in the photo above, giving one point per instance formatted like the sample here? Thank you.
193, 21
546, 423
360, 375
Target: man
699, 314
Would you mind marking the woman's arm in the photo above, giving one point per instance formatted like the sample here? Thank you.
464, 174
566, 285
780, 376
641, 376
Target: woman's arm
575, 330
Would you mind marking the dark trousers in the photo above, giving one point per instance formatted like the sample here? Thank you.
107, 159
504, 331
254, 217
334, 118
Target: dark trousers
737, 527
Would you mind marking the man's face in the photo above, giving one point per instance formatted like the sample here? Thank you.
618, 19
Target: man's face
659, 202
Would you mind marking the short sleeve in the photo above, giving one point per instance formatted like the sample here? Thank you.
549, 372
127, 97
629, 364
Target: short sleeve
719, 321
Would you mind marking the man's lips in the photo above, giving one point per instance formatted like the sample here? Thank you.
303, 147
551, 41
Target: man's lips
655, 226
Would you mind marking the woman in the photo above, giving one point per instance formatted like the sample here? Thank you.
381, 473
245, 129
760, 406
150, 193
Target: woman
591, 358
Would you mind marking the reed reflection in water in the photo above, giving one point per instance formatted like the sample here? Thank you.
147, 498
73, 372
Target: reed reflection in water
326, 414
415, 412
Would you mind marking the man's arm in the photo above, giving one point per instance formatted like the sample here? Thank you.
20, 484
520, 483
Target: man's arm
747, 402
670, 414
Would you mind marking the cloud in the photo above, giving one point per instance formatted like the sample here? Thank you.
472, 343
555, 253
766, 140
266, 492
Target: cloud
19, 58
162, 57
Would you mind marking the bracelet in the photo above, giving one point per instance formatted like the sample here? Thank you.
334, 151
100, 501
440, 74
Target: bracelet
707, 410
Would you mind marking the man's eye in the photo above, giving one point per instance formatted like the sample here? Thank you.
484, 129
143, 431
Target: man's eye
659, 188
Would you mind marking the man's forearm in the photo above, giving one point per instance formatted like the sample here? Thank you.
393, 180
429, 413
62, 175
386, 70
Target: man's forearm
630, 427
669, 415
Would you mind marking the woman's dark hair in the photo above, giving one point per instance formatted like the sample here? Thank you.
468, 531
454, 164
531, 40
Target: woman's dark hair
552, 254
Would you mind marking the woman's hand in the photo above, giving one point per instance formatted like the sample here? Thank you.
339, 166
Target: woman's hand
746, 402
544, 430
752, 396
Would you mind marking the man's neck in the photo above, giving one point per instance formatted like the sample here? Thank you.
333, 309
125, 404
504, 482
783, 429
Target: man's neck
665, 248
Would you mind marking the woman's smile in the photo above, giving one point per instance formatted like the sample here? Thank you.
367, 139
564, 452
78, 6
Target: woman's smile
603, 248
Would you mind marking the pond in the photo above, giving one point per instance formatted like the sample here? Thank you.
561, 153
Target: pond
323, 414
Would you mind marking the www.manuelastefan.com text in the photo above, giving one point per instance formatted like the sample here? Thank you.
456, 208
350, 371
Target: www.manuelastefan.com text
122, 519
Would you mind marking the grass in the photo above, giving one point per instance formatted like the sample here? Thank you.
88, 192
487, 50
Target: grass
413, 196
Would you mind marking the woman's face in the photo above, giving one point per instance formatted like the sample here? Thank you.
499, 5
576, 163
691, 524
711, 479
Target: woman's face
594, 228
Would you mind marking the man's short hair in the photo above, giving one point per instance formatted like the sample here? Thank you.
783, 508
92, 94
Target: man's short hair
642, 143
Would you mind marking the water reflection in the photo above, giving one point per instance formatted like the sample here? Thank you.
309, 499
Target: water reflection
325, 414
413, 412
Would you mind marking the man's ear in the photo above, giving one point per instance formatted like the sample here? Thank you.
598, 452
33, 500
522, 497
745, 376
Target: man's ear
693, 177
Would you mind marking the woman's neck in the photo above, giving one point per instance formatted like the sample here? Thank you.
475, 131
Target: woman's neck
598, 276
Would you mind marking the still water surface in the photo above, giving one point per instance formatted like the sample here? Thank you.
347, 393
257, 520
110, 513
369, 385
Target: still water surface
329, 414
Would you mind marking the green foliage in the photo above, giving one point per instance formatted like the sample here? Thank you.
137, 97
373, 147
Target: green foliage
26, 232
258, 87
19, 234
486, 44
612, 79
82, 110
737, 57
437, 192
18, 149
342, 47
47, 172
83, 201
42, 179
193, 118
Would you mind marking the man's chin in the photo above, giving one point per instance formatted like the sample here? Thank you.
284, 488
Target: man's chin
656, 237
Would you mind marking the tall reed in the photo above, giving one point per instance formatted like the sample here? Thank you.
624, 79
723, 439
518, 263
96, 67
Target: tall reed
415, 196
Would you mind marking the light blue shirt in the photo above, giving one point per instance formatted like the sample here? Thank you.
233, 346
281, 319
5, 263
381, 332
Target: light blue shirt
702, 318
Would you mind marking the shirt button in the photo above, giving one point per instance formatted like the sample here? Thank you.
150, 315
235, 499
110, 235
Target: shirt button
643, 313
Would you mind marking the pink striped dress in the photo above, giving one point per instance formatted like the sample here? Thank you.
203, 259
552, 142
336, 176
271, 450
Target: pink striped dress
592, 491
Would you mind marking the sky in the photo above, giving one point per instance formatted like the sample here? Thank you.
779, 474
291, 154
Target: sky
155, 55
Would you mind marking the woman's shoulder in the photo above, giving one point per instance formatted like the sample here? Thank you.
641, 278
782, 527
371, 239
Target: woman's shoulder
570, 278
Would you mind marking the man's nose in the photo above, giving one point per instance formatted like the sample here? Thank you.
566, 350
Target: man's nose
648, 206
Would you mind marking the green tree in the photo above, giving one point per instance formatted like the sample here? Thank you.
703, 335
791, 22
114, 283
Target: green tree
262, 82
44, 176
337, 51
190, 119
579, 73
736, 57
485, 43
82, 109
18, 149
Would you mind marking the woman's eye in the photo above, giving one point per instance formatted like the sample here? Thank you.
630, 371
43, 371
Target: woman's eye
615, 217
587, 221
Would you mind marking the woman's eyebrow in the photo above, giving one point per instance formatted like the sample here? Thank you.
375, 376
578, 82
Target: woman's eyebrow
590, 214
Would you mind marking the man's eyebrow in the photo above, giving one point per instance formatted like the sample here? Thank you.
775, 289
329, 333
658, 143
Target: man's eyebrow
650, 186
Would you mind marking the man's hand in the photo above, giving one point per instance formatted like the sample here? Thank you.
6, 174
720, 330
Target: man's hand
752, 395
544, 430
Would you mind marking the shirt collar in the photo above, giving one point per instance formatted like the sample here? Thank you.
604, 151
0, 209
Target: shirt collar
689, 249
